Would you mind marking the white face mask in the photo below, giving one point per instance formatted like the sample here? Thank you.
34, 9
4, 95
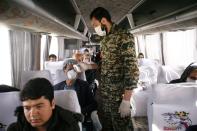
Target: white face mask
72, 75
99, 31
191, 81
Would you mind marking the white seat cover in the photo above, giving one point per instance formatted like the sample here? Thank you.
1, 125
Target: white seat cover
166, 74
60, 76
53, 67
67, 99
181, 93
27, 75
167, 99
172, 117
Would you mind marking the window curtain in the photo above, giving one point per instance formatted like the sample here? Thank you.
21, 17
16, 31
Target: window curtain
141, 44
180, 47
20, 43
153, 47
5, 57
35, 51
47, 47
44, 52
136, 45
61, 49
54, 46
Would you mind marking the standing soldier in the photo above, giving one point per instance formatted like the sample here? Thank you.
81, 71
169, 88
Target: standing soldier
119, 72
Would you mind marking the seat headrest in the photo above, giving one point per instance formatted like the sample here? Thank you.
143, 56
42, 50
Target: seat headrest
28, 75
67, 99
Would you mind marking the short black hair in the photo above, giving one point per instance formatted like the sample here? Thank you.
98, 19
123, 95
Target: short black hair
141, 54
36, 88
52, 56
99, 13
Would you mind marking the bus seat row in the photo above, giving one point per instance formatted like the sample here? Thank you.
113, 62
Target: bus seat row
167, 106
10, 100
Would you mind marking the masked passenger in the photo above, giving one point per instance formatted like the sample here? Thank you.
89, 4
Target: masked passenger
84, 93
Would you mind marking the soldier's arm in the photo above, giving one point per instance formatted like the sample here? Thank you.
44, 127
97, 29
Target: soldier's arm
131, 72
85, 66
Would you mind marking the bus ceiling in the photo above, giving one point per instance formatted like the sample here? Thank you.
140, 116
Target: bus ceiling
31, 16
70, 18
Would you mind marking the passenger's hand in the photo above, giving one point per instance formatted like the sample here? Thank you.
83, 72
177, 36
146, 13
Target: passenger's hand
96, 122
125, 108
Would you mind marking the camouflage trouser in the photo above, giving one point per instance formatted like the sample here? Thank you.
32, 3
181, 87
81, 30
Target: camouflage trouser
110, 118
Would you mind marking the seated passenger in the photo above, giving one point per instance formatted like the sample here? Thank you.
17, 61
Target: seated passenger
84, 93
39, 112
189, 74
52, 58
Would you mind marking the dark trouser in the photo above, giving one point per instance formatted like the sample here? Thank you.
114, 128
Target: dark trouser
192, 128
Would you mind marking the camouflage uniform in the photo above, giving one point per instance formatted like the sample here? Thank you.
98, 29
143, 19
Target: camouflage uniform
119, 72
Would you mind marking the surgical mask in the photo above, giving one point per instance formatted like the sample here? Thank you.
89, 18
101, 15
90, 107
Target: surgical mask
72, 74
191, 80
99, 31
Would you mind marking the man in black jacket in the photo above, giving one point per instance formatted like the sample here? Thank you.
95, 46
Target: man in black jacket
84, 93
38, 111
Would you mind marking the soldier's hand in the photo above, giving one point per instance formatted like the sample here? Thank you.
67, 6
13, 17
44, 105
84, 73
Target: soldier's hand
125, 108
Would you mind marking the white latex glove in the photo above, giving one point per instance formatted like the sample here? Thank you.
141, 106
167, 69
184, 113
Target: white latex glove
125, 108
96, 122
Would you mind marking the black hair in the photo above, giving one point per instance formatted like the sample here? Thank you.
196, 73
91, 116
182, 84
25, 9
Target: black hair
86, 50
141, 54
53, 56
36, 88
99, 13
185, 74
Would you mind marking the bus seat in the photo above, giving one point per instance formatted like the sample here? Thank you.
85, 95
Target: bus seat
172, 117
27, 75
60, 76
168, 103
148, 74
53, 67
68, 99
8, 103
139, 102
148, 62
180, 93
166, 74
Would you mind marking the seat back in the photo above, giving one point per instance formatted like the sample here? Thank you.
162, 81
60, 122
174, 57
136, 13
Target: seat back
166, 74
179, 94
52, 67
148, 74
68, 99
8, 103
172, 106
60, 76
28, 75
